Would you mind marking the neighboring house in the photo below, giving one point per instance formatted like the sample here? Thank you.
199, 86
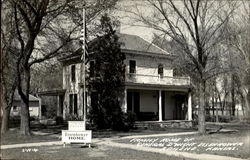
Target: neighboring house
151, 90
34, 105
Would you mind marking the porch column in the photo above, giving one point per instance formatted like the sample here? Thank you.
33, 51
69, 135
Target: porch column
125, 101
40, 108
189, 106
58, 105
160, 106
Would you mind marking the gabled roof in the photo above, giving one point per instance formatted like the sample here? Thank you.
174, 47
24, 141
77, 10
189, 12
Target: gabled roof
138, 44
18, 98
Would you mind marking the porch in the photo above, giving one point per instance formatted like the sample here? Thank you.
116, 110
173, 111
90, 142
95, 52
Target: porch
164, 105
51, 100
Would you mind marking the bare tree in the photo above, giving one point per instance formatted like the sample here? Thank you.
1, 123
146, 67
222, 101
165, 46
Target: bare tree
44, 29
196, 27
8, 60
222, 90
46, 76
239, 45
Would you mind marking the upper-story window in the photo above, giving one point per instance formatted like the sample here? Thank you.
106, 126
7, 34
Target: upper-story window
73, 73
160, 70
132, 66
15, 108
177, 73
92, 68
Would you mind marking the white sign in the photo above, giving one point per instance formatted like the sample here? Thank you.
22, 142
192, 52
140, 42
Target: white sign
76, 136
76, 126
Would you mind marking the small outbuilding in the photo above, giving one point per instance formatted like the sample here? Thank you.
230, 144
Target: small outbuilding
34, 105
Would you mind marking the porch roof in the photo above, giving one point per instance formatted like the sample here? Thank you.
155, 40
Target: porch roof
52, 92
131, 85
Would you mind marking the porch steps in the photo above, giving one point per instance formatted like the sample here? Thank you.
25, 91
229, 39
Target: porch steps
164, 124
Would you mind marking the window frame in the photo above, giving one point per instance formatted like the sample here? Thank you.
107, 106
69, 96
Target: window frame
92, 68
160, 70
132, 66
73, 73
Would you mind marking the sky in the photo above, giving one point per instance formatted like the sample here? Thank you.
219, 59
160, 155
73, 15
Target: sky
126, 23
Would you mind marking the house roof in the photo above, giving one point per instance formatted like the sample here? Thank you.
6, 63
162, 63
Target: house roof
129, 43
136, 43
18, 98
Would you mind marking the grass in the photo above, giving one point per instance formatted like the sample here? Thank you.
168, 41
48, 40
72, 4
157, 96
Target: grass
75, 152
54, 132
230, 137
101, 152
13, 137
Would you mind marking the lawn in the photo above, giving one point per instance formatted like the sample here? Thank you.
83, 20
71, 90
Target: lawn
233, 144
53, 133
76, 152
13, 137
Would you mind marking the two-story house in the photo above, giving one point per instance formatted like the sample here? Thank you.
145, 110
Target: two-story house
152, 92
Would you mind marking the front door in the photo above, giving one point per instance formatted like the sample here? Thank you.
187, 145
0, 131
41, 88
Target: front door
136, 102
180, 107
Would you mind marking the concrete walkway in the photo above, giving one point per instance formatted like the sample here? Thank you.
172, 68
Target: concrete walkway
37, 144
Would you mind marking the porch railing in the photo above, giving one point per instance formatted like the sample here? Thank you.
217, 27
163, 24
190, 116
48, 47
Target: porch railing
161, 80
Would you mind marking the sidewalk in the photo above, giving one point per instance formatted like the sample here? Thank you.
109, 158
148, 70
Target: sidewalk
37, 144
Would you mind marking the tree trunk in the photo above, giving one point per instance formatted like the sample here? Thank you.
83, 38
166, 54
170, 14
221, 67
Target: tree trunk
5, 119
246, 99
233, 100
222, 108
213, 103
201, 117
25, 120
25, 116
7, 101
217, 114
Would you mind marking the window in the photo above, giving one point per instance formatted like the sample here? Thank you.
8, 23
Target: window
160, 70
70, 103
73, 104
73, 73
132, 66
14, 108
94, 100
92, 69
177, 72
